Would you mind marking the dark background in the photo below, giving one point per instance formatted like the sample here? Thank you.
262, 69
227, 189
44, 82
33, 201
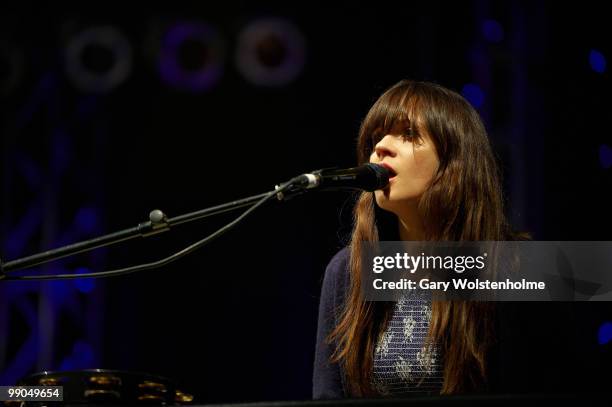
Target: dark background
236, 321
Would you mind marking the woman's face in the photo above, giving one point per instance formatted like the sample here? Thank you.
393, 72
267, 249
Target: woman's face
413, 163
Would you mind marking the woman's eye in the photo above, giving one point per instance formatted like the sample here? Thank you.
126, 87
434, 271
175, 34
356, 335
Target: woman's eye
412, 137
407, 135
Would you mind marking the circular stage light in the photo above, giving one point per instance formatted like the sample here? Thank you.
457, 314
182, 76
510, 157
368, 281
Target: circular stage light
597, 60
271, 52
191, 57
98, 59
492, 31
605, 156
474, 94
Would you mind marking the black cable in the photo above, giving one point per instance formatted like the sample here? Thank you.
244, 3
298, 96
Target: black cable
164, 261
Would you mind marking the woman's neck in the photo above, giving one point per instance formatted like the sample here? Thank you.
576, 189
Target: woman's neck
411, 225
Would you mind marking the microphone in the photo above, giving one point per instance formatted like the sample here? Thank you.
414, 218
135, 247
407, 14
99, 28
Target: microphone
368, 177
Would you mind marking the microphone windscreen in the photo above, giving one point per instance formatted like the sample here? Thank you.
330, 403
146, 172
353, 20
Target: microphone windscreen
378, 179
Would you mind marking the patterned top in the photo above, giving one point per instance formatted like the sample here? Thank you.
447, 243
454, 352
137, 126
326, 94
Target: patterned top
403, 364
524, 332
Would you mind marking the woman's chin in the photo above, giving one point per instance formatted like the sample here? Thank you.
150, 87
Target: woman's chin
388, 201
384, 200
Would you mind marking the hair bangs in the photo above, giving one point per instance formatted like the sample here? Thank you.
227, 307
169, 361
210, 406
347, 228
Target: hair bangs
392, 113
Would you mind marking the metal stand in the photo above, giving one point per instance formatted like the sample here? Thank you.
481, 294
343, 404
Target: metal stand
158, 222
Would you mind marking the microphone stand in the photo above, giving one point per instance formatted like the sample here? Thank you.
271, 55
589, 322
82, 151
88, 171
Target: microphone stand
368, 177
158, 223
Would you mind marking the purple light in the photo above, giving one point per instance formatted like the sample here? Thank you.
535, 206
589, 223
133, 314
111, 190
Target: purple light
605, 156
207, 49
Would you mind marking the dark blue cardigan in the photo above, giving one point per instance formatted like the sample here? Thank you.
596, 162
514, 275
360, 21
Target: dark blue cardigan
535, 349
328, 379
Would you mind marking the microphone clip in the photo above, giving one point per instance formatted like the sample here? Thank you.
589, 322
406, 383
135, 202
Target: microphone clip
301, 184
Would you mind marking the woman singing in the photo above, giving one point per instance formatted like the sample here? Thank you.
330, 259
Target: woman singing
444, 186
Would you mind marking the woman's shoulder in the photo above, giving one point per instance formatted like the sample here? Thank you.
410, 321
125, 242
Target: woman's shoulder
327, 376
337, 273
338, 264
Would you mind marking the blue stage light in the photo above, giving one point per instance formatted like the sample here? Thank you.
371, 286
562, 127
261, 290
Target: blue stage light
605, 156
605, 333
473, 94
492, 31
597, 61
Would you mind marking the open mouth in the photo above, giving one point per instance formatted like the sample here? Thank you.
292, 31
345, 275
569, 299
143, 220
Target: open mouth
392, 172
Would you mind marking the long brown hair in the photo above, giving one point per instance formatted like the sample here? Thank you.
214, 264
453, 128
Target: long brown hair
464, 202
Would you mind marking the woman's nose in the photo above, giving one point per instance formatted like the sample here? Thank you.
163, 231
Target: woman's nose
384, 148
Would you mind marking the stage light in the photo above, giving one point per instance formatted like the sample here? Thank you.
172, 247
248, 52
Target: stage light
597, 61
191, 57
605, 156
98, 59
270, 52
492, 31
604, 335
473, 94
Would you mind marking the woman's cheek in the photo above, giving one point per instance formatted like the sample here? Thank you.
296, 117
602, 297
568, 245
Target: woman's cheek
427, 163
